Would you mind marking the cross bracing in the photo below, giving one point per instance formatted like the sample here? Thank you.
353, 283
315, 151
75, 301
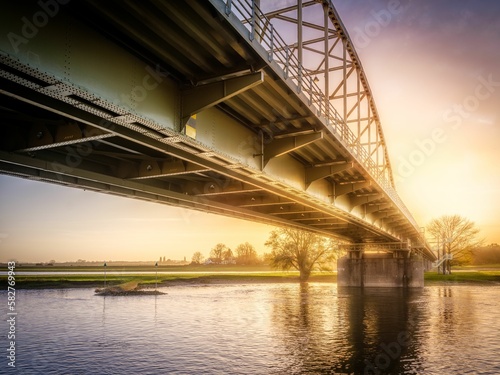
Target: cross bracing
310, 44
203, 105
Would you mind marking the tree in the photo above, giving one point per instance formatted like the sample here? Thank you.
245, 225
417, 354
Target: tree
266, 258
456, 236
487, 255
197, 258
246, 254
304, 251
219, 252
227, 254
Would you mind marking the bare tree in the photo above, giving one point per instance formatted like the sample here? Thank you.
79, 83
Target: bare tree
227, 254
197, 258
304, 251
219, 252
246, 254
456, 236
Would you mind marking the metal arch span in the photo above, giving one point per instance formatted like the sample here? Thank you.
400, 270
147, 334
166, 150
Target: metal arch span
203, 105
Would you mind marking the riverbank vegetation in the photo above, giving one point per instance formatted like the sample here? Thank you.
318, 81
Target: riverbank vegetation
83, 280
464, 277
221, 275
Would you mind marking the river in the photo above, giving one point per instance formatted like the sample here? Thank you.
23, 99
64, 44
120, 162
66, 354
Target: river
287, 328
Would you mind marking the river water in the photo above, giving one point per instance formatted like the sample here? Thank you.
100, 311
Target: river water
314, 328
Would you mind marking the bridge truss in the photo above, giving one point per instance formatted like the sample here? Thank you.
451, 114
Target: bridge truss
227, 106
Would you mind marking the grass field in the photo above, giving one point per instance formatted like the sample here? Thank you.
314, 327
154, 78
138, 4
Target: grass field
83, 281
151, 268
64, 277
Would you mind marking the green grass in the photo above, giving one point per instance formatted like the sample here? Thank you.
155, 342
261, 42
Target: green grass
151, 268
82, 280
493, 266
463, 277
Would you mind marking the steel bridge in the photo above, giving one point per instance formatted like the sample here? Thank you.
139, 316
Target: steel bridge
234, 107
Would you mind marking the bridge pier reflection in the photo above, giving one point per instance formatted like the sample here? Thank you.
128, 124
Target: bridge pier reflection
348, 330
396, 268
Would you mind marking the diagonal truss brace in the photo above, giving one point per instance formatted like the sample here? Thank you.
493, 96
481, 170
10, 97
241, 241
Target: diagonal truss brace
282, 146
198, 98
351, 188
317, 173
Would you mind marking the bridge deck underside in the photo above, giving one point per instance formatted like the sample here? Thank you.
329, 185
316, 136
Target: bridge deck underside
53, 130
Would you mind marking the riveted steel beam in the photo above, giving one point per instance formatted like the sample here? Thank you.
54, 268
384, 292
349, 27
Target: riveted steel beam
24, 166
150, 126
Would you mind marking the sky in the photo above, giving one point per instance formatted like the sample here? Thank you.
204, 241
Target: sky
434, 70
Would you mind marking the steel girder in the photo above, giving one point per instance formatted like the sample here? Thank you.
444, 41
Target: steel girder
294, 162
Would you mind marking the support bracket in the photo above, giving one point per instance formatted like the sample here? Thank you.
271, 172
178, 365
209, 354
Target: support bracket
282, 146
198, 98
358, 201
350, 188
317, 173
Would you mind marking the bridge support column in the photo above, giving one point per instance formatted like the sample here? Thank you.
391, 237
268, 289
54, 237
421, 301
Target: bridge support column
395, 269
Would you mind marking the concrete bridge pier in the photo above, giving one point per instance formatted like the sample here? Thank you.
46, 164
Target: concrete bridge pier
388, 269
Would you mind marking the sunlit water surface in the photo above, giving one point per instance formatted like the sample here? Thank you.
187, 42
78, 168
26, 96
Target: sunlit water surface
259, 329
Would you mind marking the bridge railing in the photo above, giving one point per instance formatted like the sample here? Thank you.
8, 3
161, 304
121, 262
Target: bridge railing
261, 29
388, 246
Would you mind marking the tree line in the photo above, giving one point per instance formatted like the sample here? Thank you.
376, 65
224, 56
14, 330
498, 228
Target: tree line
453, 238
290, 249
244, 254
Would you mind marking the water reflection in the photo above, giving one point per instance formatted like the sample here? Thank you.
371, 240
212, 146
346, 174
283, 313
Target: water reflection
360, 331
389, 318
458, 327
262, 329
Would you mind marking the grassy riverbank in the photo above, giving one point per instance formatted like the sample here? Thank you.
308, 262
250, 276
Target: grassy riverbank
192, 275
464, 276
83, 281
146, 276
141, 268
